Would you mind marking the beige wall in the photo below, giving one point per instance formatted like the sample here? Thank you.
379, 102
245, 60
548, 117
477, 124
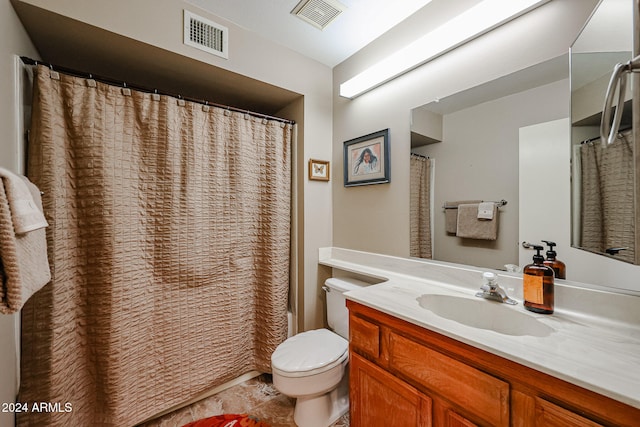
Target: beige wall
375, 218
14, 41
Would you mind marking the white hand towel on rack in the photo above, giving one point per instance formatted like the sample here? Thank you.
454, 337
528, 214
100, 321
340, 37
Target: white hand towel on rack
486, 210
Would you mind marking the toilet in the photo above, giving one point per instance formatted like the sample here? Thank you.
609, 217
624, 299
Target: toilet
312, 366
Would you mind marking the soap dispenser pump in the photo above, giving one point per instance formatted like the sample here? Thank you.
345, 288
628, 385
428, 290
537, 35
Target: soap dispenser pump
538, 284
559, 268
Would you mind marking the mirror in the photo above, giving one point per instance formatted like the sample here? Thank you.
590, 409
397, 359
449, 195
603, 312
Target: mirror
472, 138
604, 219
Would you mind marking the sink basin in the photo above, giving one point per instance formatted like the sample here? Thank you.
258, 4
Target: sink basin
484, 314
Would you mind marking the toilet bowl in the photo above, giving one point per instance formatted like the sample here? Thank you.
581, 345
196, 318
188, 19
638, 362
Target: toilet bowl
312, 366
308, 367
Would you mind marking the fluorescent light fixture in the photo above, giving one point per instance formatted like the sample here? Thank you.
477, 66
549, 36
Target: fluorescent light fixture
480, 19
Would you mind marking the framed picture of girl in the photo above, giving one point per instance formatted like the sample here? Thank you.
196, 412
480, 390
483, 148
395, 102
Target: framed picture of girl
366, 159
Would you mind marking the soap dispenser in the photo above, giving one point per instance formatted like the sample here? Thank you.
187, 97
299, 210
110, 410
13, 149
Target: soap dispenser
556, 265
538, 284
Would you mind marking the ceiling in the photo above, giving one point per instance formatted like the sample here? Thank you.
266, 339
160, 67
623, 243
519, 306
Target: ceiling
361, 22
102, 52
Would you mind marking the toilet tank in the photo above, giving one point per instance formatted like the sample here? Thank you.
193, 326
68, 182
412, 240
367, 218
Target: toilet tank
337, 312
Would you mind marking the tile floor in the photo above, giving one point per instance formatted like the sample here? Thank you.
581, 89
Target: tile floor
256, 397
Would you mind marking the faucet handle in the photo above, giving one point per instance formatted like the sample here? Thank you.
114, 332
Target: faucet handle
492, 290
490, 279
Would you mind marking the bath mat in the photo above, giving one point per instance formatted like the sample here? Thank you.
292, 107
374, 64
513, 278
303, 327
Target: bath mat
228, 420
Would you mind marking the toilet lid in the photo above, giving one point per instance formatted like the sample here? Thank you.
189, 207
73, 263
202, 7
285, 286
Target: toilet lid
309, 350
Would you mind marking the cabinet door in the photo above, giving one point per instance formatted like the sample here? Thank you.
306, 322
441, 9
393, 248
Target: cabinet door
378, 399
456, 420
482, 397
550, 415
364, 336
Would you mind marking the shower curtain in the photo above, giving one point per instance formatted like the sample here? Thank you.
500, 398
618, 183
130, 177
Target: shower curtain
607, 210
420, 207
169, 246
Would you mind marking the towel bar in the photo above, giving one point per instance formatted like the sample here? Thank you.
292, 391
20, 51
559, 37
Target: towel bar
500, 203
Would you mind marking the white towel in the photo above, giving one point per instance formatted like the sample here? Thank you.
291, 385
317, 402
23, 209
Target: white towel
486, 209
24, 265
25, 214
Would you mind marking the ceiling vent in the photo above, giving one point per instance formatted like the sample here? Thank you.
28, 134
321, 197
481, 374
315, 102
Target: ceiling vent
318, 13
206, 35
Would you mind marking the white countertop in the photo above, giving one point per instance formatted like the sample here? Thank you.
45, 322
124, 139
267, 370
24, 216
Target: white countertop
594, 340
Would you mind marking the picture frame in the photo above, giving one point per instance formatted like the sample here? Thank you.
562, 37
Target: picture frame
319, 170
367, 160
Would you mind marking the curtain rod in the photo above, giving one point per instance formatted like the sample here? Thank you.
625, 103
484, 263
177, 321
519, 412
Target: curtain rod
621, 131
114, 82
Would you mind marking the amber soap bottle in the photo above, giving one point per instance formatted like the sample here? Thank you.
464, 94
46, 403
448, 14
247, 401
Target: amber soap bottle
556, 265
538, 285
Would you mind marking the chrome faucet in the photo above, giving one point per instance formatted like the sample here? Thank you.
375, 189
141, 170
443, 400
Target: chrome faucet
491, 290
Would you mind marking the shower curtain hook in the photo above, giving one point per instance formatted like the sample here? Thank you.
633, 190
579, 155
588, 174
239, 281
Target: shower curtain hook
53, 73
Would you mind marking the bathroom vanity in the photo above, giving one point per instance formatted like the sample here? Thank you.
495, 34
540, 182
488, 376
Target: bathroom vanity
423, 378
426, 352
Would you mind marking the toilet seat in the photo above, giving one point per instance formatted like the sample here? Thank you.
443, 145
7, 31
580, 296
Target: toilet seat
310, 353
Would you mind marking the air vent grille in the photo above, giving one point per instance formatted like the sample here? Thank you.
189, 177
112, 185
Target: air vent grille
318, 13
205, 35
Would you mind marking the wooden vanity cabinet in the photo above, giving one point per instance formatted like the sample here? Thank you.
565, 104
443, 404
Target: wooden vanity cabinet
405, 375
380, 399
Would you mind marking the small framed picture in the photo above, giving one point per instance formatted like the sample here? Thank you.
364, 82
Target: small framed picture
318, 170
366, 159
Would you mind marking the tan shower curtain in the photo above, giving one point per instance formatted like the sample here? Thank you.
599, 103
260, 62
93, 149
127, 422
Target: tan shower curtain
420, 207
607, 210
169, 244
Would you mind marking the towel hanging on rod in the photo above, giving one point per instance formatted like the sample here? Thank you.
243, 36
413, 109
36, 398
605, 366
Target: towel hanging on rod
471, 226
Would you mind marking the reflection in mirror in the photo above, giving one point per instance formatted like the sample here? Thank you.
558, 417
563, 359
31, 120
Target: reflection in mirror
603, 176
421, 177
472, 138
